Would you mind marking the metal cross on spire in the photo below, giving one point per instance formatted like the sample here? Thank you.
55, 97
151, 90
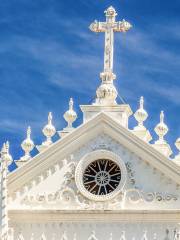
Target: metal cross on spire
109, 27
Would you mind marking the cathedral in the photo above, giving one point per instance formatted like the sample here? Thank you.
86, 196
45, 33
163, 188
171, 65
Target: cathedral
98, 181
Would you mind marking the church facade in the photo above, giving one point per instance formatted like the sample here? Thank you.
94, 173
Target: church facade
99, 181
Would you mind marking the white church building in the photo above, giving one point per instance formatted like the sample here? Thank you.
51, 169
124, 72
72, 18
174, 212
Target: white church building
99, 181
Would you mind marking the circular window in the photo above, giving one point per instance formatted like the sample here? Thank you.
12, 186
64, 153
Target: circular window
100, 175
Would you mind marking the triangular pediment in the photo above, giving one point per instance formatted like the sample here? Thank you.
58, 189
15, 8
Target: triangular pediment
50, 170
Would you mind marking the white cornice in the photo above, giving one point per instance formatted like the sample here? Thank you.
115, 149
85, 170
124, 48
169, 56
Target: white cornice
98, 124
125, 216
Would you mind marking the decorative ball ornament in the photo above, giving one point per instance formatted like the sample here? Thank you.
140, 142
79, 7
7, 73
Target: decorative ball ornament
161, 129
70, 116
106, 94
49, 130
141, 114
27, 145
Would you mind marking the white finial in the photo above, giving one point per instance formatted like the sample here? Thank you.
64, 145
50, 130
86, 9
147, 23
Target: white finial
161, 129
49, 131
141, 114
7, 156
70, 116
27, 145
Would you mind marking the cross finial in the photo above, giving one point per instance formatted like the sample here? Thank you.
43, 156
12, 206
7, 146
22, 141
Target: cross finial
106, 93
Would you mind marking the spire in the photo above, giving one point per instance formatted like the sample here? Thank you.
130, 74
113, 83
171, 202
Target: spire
70, 116
107, 93
161, 130
140, 116
27, 145
49, 131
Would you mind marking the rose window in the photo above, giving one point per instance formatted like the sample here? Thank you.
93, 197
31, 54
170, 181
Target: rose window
101, 177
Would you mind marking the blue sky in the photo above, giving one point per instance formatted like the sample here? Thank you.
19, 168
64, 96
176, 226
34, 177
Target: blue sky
48, 54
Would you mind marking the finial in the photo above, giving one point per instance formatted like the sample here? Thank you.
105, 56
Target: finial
49, 131
161, 129
27, 145
6, 155
70, 116
3, 150
141, 114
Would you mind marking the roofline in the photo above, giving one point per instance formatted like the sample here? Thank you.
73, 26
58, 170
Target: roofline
70, 142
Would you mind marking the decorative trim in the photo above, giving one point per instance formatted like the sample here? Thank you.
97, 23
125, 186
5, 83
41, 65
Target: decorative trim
125, 216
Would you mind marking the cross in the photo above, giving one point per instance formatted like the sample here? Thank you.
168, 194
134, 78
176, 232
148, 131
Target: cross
109, 27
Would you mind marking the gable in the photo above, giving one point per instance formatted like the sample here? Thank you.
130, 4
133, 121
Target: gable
54, 169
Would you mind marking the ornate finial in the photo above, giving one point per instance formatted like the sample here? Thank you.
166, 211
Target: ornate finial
161, 129
27, 145
3, 150
70, 116
6, 155
49, 131
141, 114
107, 93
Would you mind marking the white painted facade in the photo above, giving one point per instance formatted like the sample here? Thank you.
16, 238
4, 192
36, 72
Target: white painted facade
46, 196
